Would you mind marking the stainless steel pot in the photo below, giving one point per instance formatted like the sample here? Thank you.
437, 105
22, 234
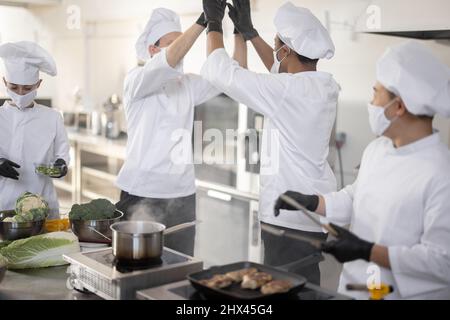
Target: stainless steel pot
136, 241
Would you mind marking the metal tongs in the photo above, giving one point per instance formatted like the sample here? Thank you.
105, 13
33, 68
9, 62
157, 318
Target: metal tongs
281, 233
301, 208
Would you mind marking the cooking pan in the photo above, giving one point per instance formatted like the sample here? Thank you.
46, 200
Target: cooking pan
141, 241
235, 292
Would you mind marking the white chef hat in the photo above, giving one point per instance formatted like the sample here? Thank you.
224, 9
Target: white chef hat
411, 71
23, 61
301, 31
162, 22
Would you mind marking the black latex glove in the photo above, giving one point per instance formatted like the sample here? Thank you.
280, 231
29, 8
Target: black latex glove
7, 169
214, 12
348, 247
240, 14
63, 165
202, 20
309, 202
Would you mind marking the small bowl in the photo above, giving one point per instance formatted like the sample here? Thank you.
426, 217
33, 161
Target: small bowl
10, 231
82, 229
48, 170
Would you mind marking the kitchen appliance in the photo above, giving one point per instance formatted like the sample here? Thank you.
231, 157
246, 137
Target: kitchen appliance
99, 272
112, 117
96, 123
140, 242
235, 291
183, 290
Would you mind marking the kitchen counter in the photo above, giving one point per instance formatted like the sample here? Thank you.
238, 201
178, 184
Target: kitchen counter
99, 144
40, 284
51, 284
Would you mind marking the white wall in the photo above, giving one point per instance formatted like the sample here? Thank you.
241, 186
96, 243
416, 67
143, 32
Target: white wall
19, 24
109, 29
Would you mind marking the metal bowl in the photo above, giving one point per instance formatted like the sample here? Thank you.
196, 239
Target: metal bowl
10, 231
83, 229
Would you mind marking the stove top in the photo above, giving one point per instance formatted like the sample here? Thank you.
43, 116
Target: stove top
107, 259
100, 273
183, 290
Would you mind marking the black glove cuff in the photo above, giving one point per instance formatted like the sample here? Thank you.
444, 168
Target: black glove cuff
215, 26
366, 250
250, 35
313, 203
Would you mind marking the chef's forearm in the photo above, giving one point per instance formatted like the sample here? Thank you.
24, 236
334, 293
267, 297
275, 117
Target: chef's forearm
180, 47
240, 51
321, 209
264, 51
380, 256
215, 41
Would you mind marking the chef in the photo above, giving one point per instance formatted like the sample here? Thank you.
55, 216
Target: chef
157, 179
30, 133
398, 208
299, 104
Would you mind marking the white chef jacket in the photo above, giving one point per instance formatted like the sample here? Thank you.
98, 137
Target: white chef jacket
28, 137
401, 200
300, 111
159, 105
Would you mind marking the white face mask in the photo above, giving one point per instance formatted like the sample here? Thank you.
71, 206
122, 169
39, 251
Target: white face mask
276, 64
379, 123
22, 101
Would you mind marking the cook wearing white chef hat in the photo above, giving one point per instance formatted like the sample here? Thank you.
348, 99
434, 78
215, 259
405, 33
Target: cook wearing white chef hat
159, 102
299, 105
398, 209
30, 133
412, 85
162, 22
23, 62
301, 31
412, 72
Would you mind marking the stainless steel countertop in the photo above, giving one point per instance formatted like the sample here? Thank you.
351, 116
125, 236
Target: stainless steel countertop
40, 284
99, 144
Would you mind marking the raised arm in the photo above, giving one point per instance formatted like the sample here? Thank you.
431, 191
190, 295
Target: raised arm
161, 68
240, 14
240, 51
264, 51
181, 46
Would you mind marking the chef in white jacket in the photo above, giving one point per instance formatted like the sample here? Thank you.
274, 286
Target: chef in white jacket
157, 179
29, 133
299, 104
399, 203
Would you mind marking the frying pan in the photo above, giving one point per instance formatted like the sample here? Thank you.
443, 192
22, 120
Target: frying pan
235, 292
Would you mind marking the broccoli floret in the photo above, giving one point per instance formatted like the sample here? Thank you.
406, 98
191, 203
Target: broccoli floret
100, 209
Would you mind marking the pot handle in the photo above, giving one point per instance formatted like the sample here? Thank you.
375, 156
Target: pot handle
99, 233
179, 227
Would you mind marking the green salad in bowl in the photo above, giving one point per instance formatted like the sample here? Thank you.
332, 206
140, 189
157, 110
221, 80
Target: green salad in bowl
49, 170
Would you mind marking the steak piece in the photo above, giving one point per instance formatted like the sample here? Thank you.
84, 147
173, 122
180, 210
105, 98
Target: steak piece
217, 282
256, 280
237, 276
277, 286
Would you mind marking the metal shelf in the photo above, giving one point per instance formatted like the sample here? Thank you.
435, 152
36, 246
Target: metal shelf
99, 174
63, 185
